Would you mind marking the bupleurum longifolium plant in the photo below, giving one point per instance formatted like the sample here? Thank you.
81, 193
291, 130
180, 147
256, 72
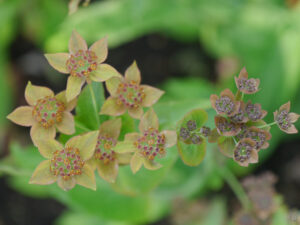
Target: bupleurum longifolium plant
240, 130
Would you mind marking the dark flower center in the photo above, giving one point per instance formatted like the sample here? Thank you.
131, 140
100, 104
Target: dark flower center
254, 111
191, 125
247, 85
224, 105
239, 117
242, 151
184, 133
104, 149
130, 94
258, 137
66, 163
48, 111
283, 120
151, 144
82, 63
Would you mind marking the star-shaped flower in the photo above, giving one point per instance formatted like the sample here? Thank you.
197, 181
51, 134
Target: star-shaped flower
225, 104
148, 144
45, 113
82, 63
285, 119
245, 152
105, 159
127, 94
245, 85
67, 164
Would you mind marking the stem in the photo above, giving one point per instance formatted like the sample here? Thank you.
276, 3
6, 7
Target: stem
267, 125
234, 140
94, 103
242, 96
236, 187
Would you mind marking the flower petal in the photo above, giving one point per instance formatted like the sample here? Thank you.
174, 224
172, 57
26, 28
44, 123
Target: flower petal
151, 165
33, 93
66, 185
74, 85
124, 158
108, 171
22, 116
152, 95
42, 174
76, 43
136, 113
171, 138
286, 106
136, 162
112, 85
213, 99
112, 128
292, 130
38, 133
110, 107
103, 73
124, 147
61, 96
133, 73
100, 49
132, 137
86, 144
67, 125
48, 147
293, 117
149, 120
87, 178
243, 73
58, 61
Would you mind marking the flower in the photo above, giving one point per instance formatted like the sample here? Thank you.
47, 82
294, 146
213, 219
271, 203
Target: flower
225, 127
82, 63
285, 119
105, 159
127, 94
245, 153
67, 164
260, 137
254, 111
245, 85
189, 133
240, 116
225, 104
45, 112
150, 143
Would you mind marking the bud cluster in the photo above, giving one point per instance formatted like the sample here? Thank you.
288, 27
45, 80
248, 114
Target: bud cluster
190, 133
48, 111
66, 163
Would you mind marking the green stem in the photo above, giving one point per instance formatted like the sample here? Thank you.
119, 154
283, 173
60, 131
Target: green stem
94, 104
235, 141
267, 125
229, 177
242, 96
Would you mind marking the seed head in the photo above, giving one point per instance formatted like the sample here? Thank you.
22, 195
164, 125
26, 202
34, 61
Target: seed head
240, 116
245, 85
245, 152
225, 104
225, 127
259, 136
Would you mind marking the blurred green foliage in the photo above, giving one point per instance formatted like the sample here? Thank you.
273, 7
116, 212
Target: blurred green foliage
262, 35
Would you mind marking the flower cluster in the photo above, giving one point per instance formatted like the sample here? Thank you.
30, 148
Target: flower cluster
76, 161
240, 129
261, 192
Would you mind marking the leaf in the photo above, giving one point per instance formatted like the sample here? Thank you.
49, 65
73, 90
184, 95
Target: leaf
88, 106
226, 146
191, 154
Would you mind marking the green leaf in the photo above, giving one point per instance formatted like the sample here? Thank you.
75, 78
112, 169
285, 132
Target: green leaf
226, 146
88, 107
192, 154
